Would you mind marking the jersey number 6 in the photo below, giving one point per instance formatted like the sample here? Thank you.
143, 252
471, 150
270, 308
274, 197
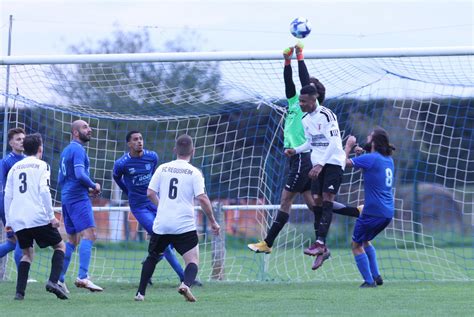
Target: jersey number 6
173, 193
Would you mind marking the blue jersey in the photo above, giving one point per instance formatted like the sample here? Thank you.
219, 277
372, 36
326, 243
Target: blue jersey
378, 174
135, 174
5, 166
72, 189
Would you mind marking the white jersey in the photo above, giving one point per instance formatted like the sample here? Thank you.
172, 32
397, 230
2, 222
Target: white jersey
323, 138
27, 185
177, 183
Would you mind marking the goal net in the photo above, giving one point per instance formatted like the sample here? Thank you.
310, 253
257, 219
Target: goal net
233, 105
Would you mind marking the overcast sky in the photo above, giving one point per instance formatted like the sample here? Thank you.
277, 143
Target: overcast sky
48, 27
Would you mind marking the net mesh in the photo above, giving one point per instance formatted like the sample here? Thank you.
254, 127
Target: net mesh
234, 110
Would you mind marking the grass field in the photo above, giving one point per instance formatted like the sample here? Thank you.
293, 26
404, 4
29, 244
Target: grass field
251, 299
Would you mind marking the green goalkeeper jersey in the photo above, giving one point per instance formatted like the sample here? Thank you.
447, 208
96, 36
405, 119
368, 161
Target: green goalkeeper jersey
294, 133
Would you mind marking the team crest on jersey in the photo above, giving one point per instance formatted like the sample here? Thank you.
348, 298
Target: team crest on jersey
131, 170
148, 167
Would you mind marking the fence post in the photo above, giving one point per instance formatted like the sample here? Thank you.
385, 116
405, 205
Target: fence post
218, 245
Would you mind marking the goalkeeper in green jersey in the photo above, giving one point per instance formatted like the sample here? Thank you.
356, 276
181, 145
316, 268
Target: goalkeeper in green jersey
297, 180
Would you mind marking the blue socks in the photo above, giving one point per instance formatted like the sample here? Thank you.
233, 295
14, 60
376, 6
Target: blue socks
363, 265
374, 268
67, 259
6, 247
85, 252
18, 255
170, 256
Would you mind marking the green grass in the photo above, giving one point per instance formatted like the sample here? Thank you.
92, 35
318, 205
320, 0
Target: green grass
251, 299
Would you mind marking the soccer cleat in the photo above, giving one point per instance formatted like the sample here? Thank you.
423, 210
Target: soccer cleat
318, 262
86, 283
288, 53
315, 249
63, 285
360, 208
56, 289
367, 285
184, 290
19, 296
260, 247
378, 280
299, 50
139, 297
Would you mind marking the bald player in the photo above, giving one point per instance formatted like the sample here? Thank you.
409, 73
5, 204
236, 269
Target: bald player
76, 184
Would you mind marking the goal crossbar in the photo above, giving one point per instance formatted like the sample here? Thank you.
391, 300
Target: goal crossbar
234, 55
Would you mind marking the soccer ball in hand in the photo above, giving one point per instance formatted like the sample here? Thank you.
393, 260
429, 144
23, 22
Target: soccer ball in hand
300, 27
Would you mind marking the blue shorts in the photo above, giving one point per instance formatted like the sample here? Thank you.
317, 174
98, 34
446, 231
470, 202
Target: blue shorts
367, 227
78, 216
145, 215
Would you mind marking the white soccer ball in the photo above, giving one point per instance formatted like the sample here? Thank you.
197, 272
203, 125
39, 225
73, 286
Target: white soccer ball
300, 27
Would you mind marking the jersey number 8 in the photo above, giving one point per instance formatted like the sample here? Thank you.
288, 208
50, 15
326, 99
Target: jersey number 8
388, 177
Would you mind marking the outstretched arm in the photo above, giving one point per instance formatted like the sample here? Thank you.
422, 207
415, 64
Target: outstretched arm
290, 89
302, 70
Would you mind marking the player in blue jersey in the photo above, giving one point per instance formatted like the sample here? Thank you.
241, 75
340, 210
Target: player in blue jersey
378, 171
15, 140
132, 173
76, 185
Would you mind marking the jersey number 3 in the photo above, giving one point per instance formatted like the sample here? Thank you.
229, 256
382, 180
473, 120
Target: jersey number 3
173, 193
23, 186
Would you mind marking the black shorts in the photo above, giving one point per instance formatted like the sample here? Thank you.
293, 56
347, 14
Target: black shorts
181, 242
328, 181
45, 236
298, 180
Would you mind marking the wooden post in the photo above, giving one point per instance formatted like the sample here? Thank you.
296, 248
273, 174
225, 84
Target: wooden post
218, 245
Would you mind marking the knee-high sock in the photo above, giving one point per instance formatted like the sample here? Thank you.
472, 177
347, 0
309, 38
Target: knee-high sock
147, 271
18, 254
344, 210
22, 278
190, 273
170, 256
372, 255
67, 259
277, 225
362, 262
57, 262
318, 212
6, 247
85, 252
325, 222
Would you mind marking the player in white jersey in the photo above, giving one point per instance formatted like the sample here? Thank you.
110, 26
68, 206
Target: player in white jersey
29, 213
173, 188
328, 158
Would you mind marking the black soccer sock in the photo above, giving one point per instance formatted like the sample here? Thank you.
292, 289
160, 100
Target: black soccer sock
318, 212
347, 211
148, 269
190, 273
22, 278
57, 262
325, 222
277, 225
